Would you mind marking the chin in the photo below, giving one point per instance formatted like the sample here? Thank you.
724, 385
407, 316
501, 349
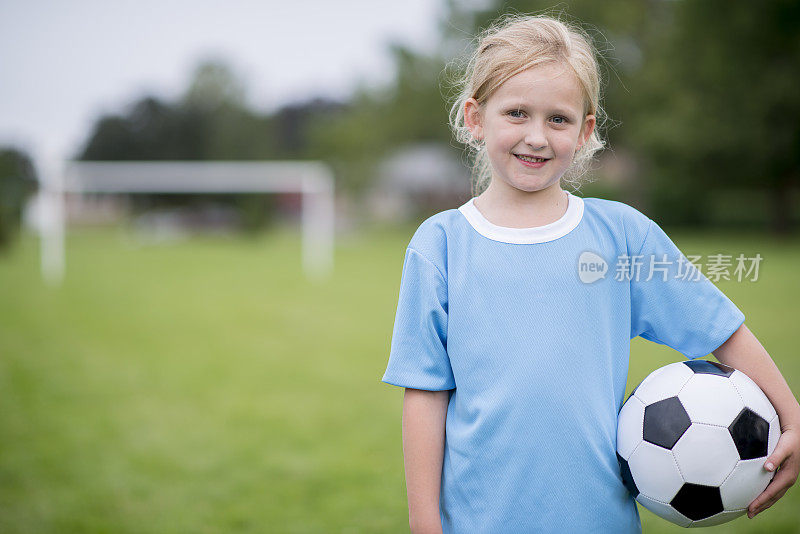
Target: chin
529, 186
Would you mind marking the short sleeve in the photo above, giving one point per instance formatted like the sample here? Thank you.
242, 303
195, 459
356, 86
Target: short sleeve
672, 303
418, 357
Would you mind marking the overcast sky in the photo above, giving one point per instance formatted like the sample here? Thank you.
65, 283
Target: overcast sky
63, 63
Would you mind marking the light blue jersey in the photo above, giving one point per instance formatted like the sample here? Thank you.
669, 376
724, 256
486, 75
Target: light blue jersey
530, 329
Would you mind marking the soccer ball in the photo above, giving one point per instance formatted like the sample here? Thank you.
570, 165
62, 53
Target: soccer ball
692, 440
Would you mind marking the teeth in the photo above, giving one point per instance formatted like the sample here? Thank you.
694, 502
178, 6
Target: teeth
528, 158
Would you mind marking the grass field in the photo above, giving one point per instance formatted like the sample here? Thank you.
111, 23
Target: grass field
208, 387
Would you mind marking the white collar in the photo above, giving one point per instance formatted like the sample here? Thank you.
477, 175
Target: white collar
536, 234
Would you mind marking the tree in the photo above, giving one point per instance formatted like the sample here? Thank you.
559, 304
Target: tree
17, 183
214, 85
724, 108
150, 130
411, 108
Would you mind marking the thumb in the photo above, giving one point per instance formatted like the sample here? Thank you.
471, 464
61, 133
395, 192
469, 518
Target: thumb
782, 451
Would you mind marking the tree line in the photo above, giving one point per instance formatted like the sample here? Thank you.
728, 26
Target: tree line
701, 93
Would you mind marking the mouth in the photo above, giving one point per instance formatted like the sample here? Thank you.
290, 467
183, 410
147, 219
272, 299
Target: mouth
531, 159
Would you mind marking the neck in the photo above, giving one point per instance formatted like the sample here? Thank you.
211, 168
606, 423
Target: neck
519, 209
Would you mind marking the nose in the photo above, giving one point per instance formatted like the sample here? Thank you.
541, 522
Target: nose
535, 136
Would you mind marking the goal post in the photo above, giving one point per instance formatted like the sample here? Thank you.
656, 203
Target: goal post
312, 179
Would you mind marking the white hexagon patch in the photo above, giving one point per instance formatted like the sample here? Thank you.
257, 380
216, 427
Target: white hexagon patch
745, 483
664, 510
711, 399
663, 383
706, 454
774, 434
752, 395
655, 472
629, 427
718, 519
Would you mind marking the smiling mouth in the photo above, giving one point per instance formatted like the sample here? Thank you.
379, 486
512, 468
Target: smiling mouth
530, 159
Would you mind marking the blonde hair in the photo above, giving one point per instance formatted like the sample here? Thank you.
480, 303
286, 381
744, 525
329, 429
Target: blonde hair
509, 46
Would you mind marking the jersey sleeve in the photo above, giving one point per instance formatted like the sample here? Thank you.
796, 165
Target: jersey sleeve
418, 357
672, 303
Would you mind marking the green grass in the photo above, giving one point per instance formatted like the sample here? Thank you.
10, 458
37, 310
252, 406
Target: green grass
208, 386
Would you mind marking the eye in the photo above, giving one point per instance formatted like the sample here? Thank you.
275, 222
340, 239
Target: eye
560, 119
515, 113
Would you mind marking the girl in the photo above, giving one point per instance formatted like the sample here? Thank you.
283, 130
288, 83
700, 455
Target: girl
514, 365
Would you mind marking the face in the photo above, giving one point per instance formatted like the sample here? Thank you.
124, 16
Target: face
537, 113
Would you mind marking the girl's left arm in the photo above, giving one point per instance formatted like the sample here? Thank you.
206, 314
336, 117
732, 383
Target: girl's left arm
743, 351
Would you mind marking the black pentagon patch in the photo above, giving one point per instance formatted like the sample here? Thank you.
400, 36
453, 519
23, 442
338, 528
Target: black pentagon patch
627, 477
665, 422
707, 367
697, 502
750, 433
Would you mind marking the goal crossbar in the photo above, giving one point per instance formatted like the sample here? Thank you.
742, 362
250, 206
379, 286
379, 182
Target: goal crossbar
313, 180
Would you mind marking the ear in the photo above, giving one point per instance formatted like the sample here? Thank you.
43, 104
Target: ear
473, 118
586, 130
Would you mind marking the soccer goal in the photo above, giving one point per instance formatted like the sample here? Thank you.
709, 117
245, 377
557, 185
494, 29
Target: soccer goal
312, 179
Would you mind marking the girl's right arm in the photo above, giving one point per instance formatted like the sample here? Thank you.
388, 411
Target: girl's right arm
424, 414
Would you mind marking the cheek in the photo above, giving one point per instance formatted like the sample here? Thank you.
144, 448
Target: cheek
566, 140
507, 137
496, 141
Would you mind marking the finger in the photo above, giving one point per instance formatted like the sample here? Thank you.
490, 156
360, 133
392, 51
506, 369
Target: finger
780, 482
774, 491
782, 451
767, 504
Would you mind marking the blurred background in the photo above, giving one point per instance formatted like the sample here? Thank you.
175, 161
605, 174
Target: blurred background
186, 376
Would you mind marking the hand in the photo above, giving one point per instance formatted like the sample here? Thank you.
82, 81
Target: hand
786, 456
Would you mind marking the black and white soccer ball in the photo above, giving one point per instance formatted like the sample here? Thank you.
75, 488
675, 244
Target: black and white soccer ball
692, 440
